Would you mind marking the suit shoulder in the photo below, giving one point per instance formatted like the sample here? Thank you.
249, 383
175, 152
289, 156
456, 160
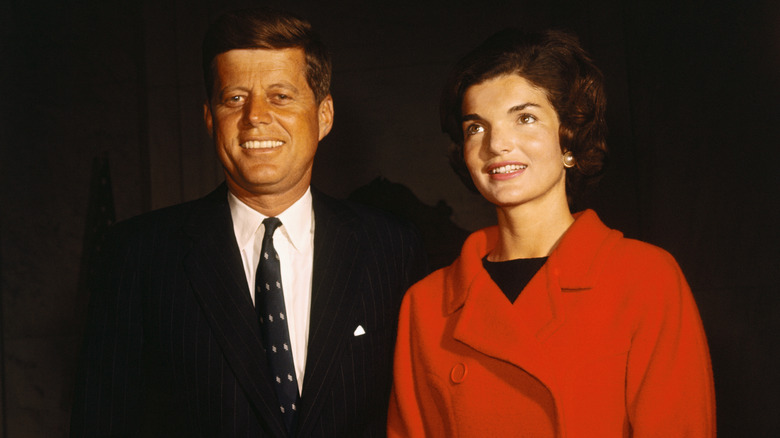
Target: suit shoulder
163, 218
166, 221
386, 240
369, 218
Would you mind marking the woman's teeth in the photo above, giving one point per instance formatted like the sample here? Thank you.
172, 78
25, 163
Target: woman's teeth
508, 168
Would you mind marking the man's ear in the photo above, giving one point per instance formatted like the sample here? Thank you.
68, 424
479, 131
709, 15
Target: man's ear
207, 119
325, 116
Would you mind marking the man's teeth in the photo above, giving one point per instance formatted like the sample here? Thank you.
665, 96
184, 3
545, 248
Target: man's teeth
508, 168
265, 144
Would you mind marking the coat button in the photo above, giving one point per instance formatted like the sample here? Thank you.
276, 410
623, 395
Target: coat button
458, 373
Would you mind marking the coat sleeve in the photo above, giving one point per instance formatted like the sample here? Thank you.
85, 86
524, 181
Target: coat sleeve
419, 400
404, 414
109, 381
669, 383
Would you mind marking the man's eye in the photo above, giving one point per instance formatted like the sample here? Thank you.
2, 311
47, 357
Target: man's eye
234, 100
527, 118
474, 129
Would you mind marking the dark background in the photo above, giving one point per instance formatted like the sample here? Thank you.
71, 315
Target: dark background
693, 113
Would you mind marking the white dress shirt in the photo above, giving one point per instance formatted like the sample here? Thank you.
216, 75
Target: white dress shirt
294, 242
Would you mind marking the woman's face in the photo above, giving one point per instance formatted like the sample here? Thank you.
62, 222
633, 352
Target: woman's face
510, 143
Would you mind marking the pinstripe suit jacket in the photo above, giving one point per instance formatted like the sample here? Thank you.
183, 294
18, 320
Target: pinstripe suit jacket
173, 347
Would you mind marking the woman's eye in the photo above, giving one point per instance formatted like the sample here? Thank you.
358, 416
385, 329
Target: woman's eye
474, 129
527, 118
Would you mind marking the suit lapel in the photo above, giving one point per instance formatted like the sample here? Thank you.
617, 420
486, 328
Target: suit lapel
215, 270
335, 282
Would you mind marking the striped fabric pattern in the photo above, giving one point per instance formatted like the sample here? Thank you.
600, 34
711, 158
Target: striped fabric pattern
173, 346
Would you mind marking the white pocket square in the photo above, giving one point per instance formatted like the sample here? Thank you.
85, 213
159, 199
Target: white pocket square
359, 331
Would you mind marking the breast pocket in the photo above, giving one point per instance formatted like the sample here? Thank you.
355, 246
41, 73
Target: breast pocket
369, 353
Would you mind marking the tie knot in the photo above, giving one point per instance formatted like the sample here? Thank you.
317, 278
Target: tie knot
271, 224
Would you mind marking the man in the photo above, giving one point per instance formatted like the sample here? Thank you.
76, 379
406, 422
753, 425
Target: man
180, 342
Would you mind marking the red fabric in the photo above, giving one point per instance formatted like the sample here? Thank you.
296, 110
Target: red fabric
605, 341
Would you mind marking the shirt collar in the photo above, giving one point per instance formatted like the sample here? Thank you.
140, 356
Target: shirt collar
297, 222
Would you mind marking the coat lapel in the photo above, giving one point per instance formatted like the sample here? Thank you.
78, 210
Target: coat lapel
337, 276
517, 333
488, 323
215, 270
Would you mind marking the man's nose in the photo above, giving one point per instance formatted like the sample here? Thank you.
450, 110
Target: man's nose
258, 112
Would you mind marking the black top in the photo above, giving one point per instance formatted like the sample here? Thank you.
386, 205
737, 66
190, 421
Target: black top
512, 276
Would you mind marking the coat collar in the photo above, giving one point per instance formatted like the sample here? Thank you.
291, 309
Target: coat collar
575, 261
581, 255
516, 333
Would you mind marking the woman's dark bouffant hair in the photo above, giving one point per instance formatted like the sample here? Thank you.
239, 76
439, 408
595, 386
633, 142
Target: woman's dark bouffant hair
554, 62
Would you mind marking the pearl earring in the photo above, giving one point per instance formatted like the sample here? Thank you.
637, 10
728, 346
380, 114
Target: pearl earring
568, 160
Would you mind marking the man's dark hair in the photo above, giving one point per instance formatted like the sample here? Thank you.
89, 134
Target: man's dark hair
266, 28
554, 62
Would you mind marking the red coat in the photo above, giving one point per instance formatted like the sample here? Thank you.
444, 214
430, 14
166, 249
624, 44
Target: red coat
605, 341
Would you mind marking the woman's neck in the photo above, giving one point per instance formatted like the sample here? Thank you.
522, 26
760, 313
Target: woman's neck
527, 231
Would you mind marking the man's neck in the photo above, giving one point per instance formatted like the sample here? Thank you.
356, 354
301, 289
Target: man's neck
268, 204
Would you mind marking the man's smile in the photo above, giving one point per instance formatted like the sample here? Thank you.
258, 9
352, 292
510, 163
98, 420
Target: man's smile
261, 144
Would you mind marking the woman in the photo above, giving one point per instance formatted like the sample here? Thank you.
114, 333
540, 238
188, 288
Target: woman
549, 324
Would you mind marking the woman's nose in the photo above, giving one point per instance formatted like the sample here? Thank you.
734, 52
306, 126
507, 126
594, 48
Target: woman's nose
498, 141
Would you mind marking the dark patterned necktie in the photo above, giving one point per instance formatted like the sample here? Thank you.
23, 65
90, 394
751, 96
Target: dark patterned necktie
269, 303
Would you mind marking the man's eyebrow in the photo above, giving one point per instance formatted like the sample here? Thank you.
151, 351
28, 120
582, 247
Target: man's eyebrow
230, 88
469, 117
284, 84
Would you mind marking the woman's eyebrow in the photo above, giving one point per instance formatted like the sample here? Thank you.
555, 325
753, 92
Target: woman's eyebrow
521, 107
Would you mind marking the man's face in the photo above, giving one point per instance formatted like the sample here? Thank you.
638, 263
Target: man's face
266, 123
